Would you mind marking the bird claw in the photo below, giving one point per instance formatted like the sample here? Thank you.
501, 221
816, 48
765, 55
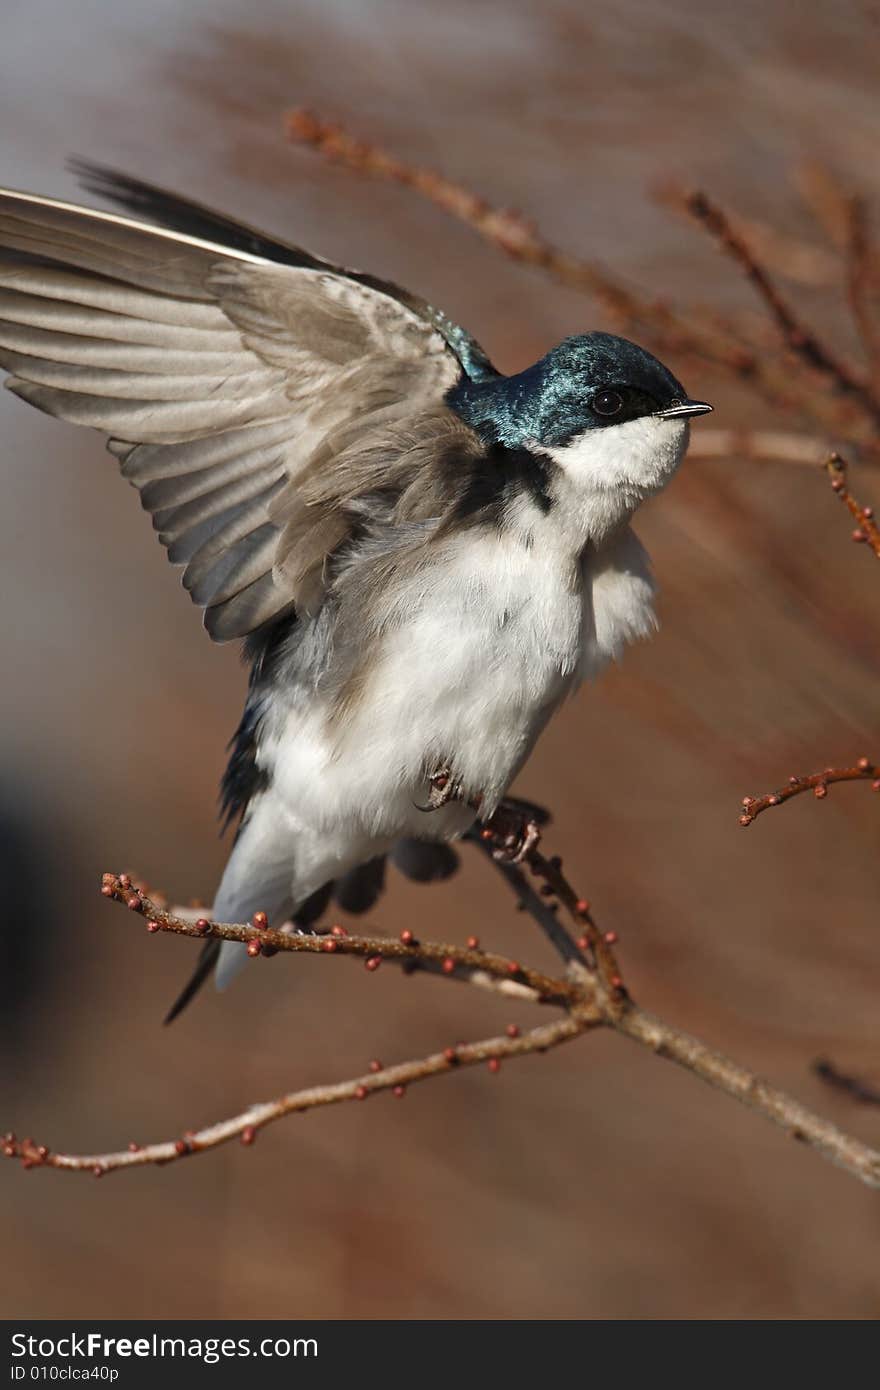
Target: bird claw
515, 832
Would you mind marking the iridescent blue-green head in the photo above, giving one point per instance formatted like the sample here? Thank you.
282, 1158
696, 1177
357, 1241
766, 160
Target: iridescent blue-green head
610, 415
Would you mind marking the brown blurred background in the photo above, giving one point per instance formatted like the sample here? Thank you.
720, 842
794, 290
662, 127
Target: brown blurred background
597, 1181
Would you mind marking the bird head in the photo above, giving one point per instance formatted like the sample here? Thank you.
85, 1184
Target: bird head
613, 420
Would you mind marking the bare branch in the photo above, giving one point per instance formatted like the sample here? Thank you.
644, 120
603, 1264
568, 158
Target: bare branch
796, 260
261, 940
713, 341
817, 782
246, 1125
798, 1122
866, 530
800, 339
590, 997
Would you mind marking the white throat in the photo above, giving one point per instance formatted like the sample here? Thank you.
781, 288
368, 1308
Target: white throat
604, 474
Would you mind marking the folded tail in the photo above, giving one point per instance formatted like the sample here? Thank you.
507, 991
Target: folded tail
356, 892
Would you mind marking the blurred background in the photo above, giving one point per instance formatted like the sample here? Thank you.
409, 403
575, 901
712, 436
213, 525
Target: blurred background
595, 1182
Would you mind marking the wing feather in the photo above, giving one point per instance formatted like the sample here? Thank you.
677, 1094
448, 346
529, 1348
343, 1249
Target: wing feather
223, 377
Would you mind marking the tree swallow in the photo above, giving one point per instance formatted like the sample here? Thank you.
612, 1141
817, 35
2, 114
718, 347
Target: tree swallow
424, 556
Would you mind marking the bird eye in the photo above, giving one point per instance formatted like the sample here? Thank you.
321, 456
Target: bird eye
607, 403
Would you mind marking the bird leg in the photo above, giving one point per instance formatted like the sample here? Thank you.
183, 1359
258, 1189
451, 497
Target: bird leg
444, 787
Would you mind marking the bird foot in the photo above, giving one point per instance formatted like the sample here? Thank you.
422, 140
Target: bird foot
515, 832
444, 787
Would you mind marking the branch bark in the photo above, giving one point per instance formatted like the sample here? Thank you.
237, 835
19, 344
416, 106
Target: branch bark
816, 782
866, 530
848, 409
591, 995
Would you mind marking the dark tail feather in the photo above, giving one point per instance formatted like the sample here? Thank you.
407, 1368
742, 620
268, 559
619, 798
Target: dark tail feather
313, 907
206, 962
424, 861
357, 890
310, 911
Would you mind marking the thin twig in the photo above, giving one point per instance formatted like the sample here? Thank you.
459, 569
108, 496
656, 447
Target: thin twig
817, 782
800, 339
690, 334
262, 940
793, 258
866, 529
246, 1125
726, 1075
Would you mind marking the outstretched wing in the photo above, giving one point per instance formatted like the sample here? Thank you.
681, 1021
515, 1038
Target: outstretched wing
221, 365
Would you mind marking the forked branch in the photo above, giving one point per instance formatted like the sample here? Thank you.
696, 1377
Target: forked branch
591, 994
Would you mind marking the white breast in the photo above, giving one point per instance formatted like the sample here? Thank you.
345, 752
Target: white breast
478, 653
619, 594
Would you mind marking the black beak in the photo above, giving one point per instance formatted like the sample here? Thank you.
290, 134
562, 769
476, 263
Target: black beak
679, 409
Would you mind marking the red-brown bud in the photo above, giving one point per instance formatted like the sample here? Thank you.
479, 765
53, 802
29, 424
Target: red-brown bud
253, 949
373, 962
248, 1134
